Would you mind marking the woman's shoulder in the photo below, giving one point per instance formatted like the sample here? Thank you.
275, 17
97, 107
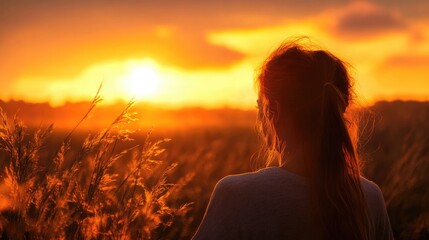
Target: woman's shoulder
370, 188
268, 175
263, 180
236, 181
377, 208
374, 197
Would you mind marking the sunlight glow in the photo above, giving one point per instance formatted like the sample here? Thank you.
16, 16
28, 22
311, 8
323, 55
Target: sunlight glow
142, 82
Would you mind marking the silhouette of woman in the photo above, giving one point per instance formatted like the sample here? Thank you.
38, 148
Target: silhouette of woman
317, 191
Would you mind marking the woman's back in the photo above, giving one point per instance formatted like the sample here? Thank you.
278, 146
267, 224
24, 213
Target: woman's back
274, 203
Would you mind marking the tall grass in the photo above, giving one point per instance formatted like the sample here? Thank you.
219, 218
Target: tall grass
397, 154
407, 191
103, 186
79, 193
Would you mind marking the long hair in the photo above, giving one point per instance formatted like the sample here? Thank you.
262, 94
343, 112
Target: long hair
304, 94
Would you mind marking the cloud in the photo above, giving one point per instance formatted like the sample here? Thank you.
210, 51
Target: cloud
53, 37
364, 19
409, 61
63, 55
61, 40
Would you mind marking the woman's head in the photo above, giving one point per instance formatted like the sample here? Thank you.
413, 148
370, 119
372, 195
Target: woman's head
303, 95
294, 84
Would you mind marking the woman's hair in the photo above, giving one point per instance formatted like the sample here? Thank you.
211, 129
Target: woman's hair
303, 96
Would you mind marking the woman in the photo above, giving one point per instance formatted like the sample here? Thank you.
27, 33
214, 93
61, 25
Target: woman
317, 191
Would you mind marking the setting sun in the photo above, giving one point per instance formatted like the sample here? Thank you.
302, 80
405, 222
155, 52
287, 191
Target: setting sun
142, 82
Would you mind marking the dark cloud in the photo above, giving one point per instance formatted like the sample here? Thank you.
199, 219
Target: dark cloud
413, 9
368, 20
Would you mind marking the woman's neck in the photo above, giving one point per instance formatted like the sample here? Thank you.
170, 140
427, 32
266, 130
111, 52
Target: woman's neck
301, 160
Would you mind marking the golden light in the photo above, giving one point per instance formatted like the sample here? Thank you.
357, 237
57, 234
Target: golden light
142, 82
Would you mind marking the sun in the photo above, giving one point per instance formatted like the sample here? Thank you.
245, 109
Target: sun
142, 82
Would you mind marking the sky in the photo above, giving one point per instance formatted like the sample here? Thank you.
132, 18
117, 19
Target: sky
202, 53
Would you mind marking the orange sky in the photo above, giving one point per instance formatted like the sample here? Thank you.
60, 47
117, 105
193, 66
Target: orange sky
202, 52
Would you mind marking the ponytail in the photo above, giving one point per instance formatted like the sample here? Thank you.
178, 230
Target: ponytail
341, 202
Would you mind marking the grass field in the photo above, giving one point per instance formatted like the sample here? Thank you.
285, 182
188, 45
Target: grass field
117, 184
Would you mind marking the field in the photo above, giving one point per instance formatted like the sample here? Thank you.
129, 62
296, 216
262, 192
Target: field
105, 187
